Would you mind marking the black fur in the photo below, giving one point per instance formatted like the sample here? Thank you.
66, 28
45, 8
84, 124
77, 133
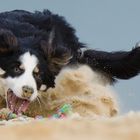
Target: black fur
117, 65
54, 42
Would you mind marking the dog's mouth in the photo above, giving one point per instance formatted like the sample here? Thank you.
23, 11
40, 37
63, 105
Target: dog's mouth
15, 104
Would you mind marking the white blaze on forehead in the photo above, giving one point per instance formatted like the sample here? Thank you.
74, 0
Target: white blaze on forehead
29, 63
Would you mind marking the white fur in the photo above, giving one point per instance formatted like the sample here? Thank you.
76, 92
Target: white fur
29, 62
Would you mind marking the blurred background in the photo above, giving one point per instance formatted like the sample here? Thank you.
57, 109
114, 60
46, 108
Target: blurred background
102, 24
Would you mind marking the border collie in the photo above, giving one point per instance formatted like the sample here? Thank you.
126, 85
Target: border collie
34, 47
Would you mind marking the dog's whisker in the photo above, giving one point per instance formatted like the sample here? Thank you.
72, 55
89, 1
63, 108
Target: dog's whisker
38, 100
41, 97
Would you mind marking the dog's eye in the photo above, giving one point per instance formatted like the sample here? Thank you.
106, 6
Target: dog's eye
17, 70
36, 75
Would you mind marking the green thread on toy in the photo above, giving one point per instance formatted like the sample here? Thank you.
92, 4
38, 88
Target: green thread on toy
11, 116
63, 112
66, 108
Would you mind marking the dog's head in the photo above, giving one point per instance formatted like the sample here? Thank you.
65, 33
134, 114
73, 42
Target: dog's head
28, 66
23, 71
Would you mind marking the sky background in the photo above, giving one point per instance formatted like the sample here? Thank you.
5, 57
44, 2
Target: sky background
107, 25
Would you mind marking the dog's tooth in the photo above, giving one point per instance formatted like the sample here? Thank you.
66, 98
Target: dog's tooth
23, 103
26, 104
19, 108
11, 107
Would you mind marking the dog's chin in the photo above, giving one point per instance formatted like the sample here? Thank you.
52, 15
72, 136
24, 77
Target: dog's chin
15, 104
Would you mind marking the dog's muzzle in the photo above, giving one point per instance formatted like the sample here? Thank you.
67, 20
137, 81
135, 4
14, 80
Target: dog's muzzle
15, 104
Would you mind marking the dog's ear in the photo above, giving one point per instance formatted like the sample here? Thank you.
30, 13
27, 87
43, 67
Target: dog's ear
57, 55
8, 41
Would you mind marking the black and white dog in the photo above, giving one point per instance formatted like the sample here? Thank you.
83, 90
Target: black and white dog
34, 47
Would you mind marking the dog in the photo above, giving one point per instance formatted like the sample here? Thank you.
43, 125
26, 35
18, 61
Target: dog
35, 47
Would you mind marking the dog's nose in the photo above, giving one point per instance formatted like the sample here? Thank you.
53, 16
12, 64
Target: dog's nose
27, 92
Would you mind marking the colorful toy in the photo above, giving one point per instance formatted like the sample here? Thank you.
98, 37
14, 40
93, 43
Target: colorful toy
6, 114
63, 112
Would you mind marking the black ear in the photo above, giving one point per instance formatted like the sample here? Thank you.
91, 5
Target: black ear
8, 42
57, 55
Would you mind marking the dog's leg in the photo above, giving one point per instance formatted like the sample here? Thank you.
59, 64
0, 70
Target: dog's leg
121, 65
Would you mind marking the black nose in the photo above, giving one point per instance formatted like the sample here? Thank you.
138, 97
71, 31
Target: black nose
27, 91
